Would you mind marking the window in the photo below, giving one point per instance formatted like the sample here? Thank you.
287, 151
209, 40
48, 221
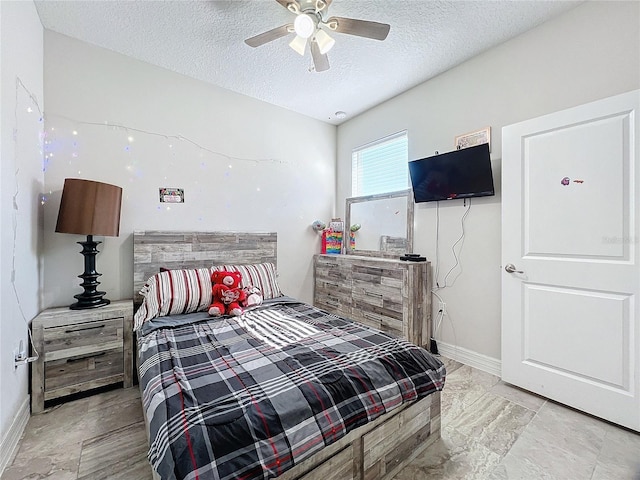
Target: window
381, 166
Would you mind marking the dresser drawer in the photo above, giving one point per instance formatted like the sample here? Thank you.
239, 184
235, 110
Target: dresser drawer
384, 279
82, 338
393, 326
332, 296
59, 374
332, 291
379, 291
333, 305
333, 269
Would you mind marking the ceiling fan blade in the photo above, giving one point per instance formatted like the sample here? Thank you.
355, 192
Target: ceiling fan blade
320, 61
269, 36
362, 28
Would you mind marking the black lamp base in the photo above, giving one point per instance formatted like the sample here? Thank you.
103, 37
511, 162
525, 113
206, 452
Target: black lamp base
83, 303
91, 297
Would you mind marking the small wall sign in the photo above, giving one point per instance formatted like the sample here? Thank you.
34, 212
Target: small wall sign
472, 139
171, 195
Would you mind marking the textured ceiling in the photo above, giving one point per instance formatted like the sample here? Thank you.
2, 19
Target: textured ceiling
205, 40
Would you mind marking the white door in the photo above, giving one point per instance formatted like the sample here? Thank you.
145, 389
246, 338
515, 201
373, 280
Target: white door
571, 230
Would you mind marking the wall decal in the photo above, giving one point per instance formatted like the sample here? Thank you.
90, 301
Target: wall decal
565, 181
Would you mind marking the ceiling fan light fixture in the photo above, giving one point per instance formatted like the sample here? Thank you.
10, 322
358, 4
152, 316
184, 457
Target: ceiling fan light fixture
324, 40
312, 27
304, 25
299, 44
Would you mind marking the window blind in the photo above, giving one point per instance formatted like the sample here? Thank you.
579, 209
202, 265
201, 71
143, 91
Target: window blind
381, 166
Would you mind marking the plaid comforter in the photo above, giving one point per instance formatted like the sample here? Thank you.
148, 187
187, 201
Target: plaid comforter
249, 397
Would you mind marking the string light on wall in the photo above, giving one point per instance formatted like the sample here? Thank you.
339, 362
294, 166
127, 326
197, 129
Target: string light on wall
130, 131
18, 146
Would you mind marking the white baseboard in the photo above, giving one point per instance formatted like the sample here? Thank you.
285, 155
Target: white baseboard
469, 357
8, 446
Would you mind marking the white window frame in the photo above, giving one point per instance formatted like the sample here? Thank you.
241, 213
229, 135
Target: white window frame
388, 155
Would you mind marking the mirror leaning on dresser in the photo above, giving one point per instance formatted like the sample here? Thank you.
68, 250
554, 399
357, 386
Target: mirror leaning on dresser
385, 224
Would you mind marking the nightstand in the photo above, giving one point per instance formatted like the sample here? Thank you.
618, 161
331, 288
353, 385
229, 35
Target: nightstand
81, 350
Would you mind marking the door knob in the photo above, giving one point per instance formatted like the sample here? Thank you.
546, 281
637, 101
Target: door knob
511, 268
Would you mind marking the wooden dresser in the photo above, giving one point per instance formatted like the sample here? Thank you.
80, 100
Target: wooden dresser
391, 295
80, 350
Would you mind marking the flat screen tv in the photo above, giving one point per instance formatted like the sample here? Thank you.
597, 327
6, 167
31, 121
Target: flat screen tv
463, 173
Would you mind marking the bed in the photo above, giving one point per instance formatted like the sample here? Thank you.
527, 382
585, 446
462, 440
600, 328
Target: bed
283, 391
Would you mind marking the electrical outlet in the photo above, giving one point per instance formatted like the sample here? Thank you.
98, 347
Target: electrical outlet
442, 308
17, 358
20, 356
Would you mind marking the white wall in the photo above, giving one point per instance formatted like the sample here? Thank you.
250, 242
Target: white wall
21, 181
591, 52
244, 164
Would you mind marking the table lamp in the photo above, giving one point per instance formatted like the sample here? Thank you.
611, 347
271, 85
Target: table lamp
89, 208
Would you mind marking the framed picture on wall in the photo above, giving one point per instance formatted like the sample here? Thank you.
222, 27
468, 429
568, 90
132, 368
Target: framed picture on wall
472, 139
171, 195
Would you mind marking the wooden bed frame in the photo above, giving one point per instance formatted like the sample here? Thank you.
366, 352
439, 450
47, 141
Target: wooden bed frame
376, 451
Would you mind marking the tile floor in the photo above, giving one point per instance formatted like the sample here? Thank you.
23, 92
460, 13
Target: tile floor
493, 431
490, 430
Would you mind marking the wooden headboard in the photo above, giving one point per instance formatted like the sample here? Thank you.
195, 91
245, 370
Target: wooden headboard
179, 249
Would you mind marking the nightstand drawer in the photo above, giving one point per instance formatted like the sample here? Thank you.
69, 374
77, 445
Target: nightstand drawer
82, 338
81, 369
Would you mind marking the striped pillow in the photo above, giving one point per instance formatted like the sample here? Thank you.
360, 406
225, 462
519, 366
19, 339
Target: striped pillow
261, 275
174, 292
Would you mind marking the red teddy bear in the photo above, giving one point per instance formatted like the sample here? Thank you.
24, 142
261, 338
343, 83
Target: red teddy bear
227, 293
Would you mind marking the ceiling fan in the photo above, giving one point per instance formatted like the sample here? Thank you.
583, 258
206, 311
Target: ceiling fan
311, 25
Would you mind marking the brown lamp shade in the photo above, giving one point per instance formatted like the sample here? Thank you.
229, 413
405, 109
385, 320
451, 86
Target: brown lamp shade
89, 208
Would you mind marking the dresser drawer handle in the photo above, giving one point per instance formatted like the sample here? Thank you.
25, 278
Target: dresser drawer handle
371, 294
329, 266
79, 359
83, 329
